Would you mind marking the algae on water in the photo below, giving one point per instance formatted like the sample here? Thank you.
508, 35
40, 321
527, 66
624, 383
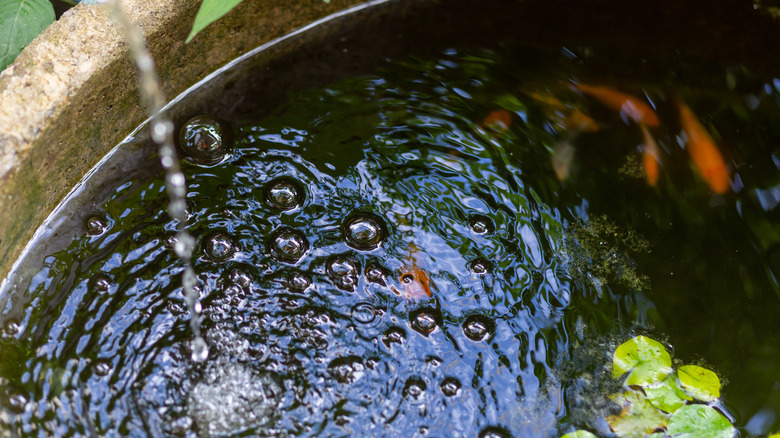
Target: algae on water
598, 250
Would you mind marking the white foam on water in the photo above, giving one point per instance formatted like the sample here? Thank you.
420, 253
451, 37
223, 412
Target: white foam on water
232, 398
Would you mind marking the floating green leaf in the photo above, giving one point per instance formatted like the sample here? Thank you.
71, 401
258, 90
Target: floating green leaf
699, 421
20, 22
646, 359
667, 395
579, 434
637, 418
209, 12
699, 382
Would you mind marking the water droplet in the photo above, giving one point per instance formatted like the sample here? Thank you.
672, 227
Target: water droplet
364, 313
17, 401
478, 327
284, 194
200, 351
219, 247
101, 283
96, 225
481, 225
376, 274
423, 320
393, 335
450, 386
494, 432
364, 231
298, 282
203, 140
344, 270
479, 267
102, 368
288, 245
414, 390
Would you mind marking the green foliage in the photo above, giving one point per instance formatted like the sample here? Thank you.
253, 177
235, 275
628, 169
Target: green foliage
667, 395
209, 12
638, 416
659, 398
20, 22
579, 434
699, 382
646, 359
699, 421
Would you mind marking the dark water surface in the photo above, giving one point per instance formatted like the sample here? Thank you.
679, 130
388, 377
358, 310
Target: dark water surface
333, 207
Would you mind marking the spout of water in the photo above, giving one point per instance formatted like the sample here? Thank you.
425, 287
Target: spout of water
162, 131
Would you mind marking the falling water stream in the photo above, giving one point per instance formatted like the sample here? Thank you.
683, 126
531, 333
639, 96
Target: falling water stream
162, 131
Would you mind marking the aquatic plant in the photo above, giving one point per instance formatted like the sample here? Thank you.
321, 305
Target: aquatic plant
659, 401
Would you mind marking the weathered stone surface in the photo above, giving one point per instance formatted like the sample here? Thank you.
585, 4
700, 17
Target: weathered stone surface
71, 95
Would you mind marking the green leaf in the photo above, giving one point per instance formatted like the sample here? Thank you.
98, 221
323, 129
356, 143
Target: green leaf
699, 421
667, 395
637, 418
579, 434
699, 382
20, 22
648, 361
209, 12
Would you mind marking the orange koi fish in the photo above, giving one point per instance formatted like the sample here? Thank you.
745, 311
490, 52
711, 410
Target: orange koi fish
632, 107
650, 156
704, 154
415, 281
568, 118
499, 119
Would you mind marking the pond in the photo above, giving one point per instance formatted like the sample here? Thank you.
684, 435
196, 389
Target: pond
449, 243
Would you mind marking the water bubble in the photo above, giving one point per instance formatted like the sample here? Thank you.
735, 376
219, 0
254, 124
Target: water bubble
219, 247
423, 320
450, 386
96, 225
363, 313
494, 432
12, 327
298, 282
240, 278
376, 274
102, 368
344, 270
284, 194
393, 335
478, 327
364, 231
414, 390
479, 266
101, 283
232, 397
17, 401
203, 140
347, 369
288, 245
481, 225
